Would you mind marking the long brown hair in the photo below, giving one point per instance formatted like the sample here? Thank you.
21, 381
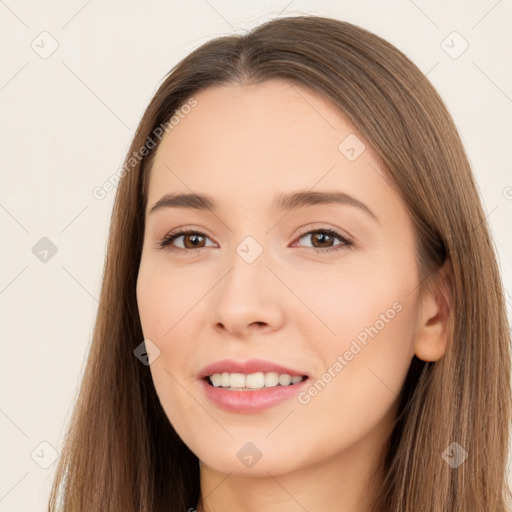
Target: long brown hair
122, 454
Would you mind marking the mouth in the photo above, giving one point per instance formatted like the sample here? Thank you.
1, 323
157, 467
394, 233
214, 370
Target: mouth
250, 386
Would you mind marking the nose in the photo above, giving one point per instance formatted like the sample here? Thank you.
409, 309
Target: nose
249, 299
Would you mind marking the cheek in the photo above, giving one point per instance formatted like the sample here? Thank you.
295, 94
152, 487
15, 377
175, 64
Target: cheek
163, 304
163, 298
371, 315
356, 391
351, 301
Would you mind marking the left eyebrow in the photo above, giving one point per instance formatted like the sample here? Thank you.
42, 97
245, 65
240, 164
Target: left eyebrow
309, 198
289, 201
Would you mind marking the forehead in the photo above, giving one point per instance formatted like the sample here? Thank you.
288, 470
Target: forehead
256, 139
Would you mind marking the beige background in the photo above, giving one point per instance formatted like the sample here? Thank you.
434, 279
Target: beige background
67, 119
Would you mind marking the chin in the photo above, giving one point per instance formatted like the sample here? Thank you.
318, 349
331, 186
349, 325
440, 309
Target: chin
243, 458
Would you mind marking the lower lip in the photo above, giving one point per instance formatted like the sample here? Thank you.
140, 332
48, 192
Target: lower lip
251, 401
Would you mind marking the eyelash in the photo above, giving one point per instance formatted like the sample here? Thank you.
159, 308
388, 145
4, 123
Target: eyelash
346, 243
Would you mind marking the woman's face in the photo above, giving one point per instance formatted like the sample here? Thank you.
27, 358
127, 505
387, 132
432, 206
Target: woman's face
264, 290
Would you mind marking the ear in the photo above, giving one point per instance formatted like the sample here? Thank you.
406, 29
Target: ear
434, 314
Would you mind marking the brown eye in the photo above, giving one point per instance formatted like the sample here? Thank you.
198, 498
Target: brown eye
187, 240
192, 241
323, 239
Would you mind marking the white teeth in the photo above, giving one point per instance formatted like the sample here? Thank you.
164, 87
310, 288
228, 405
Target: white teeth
216, 380
271, 379
256, 380
236, 380
285, 379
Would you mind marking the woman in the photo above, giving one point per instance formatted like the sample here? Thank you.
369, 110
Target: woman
298, 239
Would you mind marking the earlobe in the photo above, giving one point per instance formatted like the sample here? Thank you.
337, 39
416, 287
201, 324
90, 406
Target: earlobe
434, 315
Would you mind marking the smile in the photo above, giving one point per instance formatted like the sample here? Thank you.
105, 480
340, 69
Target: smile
251, 386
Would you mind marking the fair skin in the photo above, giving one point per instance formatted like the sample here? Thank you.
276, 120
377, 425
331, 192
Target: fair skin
293, 305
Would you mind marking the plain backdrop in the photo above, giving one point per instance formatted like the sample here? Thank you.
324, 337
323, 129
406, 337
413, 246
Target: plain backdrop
75, 79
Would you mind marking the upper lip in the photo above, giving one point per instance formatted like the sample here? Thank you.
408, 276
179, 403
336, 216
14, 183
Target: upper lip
247, 367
